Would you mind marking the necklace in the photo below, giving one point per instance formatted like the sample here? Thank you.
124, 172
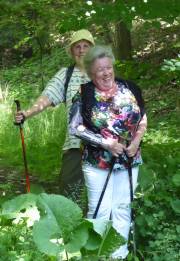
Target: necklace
109, 93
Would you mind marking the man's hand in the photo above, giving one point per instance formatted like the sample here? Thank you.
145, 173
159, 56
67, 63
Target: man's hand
20, 117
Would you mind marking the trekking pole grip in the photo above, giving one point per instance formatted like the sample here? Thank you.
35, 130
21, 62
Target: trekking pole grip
18, 105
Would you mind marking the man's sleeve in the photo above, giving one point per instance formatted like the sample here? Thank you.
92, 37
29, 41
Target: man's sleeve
55, 88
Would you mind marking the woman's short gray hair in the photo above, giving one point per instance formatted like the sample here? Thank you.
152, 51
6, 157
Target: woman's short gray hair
96, 52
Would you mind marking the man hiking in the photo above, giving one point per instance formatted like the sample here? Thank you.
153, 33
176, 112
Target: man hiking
62, 88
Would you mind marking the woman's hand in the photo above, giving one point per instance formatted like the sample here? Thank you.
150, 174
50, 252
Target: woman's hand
114, 146
132, 149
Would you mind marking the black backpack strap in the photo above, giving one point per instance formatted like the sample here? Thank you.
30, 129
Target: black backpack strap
69, 72
138, 95
88, 101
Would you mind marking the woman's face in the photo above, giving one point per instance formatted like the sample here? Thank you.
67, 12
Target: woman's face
79, 49
102, 73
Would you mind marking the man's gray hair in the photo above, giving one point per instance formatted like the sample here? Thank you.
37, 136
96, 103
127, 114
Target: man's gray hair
96, 52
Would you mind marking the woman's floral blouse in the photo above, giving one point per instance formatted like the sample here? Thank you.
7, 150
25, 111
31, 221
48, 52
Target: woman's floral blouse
116, 117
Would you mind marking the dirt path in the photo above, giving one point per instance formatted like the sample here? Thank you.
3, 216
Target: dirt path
13, 182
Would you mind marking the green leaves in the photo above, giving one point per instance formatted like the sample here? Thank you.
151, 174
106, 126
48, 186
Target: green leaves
171, 65
166, 245
78, 238
16, 207
175, 204
60, 226
176, 179
43, 232
146, 177
110, 241
60, 217
63, 210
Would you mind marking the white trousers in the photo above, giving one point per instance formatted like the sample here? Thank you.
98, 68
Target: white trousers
116, 201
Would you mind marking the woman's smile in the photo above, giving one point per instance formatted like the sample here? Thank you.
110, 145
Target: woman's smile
102, 73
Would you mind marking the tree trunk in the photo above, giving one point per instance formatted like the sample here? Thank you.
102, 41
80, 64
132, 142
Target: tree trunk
122, 42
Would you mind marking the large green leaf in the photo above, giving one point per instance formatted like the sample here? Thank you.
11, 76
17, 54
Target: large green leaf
94, 238
88, 235
79, 238
14, 207
44, 231
110, 242
103, 239
60, 217
100, 225
66, 213
93, 241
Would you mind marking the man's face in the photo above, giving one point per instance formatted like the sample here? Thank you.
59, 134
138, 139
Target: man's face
79, 49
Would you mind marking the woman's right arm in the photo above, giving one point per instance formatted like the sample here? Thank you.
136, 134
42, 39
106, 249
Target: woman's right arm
77, 128
40, 105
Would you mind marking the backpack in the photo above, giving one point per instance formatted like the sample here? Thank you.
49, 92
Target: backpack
69, 72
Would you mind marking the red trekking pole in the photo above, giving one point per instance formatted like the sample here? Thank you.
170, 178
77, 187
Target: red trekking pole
23, 148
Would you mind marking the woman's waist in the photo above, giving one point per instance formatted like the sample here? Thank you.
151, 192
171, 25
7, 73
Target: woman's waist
103, 158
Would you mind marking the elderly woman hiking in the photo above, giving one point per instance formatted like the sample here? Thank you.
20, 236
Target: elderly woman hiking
61, 88
108, 113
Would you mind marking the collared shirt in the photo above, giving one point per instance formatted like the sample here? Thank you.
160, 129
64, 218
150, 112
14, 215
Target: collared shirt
55, 93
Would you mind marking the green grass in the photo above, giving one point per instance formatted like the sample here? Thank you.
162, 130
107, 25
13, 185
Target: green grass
44, 137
